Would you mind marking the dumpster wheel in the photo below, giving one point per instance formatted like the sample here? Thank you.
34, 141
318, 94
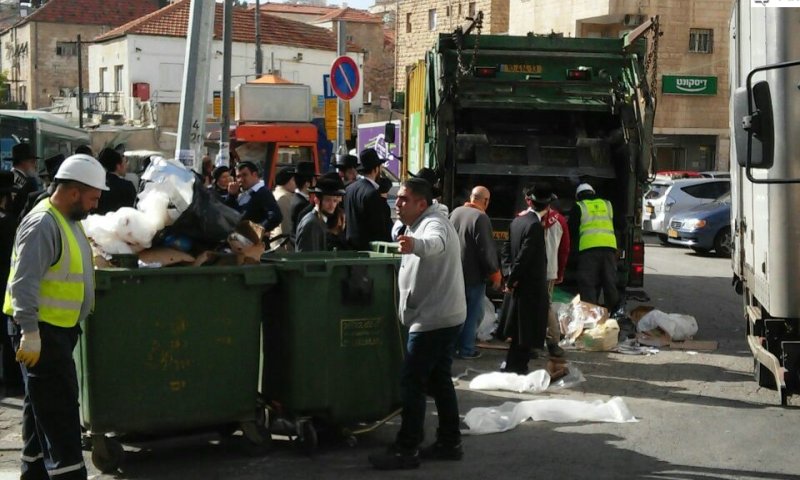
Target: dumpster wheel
107, 453
307, 436
256, 433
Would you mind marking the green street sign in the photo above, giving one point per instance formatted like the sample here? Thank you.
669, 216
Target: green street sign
688, 85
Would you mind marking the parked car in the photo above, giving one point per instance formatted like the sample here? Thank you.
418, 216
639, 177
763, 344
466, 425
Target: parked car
720, 174
680, 196
677, 174
704, 227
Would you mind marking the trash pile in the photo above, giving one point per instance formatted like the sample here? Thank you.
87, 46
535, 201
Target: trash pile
176, 222
586, 326
557, 375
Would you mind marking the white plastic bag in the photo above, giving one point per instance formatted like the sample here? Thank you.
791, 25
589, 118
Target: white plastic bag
483, 420
175, 179
602, 338
534, 382
678, 327
488, 322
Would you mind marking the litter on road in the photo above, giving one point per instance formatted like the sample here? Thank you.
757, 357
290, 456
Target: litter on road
484, 420
534, 382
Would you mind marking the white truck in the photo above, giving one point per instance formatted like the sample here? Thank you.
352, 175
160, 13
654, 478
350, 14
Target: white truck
765, 185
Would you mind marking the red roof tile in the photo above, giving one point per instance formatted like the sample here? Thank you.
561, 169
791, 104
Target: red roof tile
91, 12
173, 21
299, 9
350, 15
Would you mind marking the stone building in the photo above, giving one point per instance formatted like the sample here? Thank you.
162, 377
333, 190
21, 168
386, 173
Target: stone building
691, 129
39, 52
419, 22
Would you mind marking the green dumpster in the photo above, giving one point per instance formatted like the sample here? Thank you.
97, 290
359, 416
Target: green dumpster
169, 350
333, 347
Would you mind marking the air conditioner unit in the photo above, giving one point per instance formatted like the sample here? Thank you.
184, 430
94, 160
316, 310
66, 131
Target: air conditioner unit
633, 20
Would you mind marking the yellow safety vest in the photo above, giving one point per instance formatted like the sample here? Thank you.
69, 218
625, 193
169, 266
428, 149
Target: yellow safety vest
61, 291
597, 227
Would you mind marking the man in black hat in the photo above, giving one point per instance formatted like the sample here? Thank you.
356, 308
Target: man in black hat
312, 230
121, 192
51, 167
346, 167
304, 177
26, 180
11, 373
429, 175
368, 217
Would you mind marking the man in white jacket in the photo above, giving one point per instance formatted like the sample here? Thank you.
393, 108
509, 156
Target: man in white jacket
433, 307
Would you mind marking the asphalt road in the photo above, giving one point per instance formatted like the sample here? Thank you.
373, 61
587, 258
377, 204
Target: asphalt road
700, 415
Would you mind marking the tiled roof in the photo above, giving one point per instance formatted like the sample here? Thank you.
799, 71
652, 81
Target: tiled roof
173, 21
350, 15
91, 12
298, 9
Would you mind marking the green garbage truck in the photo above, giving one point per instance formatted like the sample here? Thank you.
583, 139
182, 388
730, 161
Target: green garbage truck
507, 111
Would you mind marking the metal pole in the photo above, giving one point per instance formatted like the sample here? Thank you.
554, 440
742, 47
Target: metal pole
227, 53
259, 54
341, 50
80, 83
194, 94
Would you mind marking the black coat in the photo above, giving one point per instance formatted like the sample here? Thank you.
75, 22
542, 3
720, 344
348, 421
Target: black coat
24, 187
368, 218
262, 209
121, 193
298, 205
311, 234
524, 313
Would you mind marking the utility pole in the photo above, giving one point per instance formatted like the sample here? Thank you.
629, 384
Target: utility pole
80, 83
259, 54
227, 53
341, 50
194, 94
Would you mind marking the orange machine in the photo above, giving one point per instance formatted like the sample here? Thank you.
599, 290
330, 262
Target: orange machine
275, 145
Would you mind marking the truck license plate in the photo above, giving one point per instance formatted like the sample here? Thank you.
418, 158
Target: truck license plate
500, 235
520, 68
672, 233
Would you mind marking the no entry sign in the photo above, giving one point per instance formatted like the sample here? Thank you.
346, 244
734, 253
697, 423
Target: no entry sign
345, 78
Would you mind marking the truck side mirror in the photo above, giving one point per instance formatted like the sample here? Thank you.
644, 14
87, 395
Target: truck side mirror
760, 126
389, 132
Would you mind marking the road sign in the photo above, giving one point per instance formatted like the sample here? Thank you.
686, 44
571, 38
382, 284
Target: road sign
327, 90
332, 119
345, 79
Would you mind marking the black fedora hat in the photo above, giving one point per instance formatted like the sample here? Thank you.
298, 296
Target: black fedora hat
305, 169
368, 160
430, 176
347, 161
51, 164
328, 185
21, 152
6, 182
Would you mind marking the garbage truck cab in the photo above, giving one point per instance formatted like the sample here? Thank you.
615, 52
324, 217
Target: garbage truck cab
765, 173
273, 128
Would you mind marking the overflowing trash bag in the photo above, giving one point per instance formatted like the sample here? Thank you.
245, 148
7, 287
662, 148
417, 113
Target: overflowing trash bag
677, 326
206, 219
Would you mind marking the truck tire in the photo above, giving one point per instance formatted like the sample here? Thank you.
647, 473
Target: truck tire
722, 243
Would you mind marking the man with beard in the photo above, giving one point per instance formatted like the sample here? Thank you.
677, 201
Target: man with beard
50, 290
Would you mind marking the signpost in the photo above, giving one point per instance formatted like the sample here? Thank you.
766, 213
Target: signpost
345, 78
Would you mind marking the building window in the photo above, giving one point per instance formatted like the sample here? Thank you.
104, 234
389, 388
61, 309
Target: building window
432, 19
408, 23
447, 11
701, 40
459, 10
103, 71
118, 78
67, 49
472, 9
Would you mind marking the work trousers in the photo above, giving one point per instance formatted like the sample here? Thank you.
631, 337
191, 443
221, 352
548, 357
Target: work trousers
553, 328
51, 429
597, 270
466, 339
427, 369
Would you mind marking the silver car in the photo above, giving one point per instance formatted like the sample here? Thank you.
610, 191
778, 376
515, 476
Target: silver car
680, 196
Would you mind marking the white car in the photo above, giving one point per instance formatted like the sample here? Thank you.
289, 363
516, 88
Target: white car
653, 197
681, 195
